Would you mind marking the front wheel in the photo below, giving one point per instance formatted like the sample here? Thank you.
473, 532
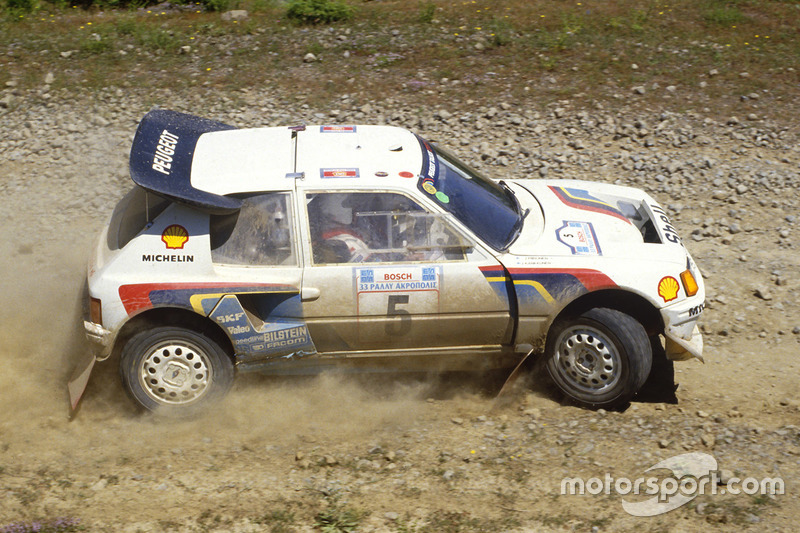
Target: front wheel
174, 371
599, 359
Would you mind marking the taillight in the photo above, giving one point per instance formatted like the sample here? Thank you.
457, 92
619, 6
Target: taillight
95, 311
689, 283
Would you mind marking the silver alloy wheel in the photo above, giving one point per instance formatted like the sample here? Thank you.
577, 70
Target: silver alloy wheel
175, 373
586, 360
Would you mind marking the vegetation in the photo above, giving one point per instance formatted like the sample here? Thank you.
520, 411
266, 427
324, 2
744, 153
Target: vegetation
608, 47
318, 11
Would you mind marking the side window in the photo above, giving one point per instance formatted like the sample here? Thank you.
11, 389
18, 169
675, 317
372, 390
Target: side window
360, 227
260, 233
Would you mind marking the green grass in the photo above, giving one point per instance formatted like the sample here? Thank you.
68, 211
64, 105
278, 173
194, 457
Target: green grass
582, 46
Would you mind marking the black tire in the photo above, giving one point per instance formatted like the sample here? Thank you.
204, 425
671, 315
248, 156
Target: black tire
175, 371
598, 359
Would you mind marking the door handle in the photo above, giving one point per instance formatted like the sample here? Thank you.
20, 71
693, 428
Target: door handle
309, 294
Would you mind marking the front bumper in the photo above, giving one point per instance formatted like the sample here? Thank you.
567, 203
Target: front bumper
680, 349
683, 338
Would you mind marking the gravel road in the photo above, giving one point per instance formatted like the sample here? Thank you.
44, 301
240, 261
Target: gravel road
412, 453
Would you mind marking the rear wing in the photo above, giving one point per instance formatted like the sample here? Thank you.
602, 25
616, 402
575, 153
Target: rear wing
162, 154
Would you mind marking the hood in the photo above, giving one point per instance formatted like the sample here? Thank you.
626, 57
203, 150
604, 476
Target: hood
582, 218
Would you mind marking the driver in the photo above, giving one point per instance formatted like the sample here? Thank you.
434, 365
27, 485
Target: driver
339, 231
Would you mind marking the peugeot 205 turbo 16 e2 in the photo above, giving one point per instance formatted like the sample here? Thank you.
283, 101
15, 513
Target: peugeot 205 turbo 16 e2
290, 250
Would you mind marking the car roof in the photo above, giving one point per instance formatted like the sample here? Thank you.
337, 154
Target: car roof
342, 156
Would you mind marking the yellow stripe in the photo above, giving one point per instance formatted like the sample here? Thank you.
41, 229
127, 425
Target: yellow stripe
496, 279
586, 199
197, 300
539, 288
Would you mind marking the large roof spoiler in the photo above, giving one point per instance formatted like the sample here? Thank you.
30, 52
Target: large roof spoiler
161, 159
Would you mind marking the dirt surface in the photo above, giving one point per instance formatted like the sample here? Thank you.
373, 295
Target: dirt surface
404, 453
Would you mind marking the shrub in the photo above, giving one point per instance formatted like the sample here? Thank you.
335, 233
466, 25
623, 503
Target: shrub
426, 12
724, 16
20, 6
318, 11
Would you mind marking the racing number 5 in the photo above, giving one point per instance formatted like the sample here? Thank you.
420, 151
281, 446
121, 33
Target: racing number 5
397, 328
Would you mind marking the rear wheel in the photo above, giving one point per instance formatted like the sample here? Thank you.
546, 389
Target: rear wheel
600, 358
174, 371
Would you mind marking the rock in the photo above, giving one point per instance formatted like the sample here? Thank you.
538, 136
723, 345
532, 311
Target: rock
763, 293
49, 78
708, 440
309, 58
235, 14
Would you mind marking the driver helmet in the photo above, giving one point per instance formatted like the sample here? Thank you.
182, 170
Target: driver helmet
333, 208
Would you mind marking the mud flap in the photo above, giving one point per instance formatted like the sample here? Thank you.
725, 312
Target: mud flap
80, 378
679, 349
509, 384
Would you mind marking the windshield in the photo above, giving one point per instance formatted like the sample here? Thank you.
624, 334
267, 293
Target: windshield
487, 208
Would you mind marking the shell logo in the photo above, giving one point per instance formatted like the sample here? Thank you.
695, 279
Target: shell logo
175, 236
668, 288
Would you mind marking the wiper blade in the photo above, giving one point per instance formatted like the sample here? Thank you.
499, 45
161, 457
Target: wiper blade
510, 194
517, 229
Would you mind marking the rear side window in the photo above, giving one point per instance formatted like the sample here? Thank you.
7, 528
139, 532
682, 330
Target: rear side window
260, 233
134, 213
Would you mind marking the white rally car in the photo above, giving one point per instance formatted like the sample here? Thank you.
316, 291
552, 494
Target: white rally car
290, 250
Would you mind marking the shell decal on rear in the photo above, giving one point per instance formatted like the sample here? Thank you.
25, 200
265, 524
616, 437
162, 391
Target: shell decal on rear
668, 288
175, 236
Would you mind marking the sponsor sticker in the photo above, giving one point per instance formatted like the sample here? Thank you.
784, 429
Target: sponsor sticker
338, 173
175, 237
429, 188
668, 288
165, 149
398, 279
405, 174
442, 197
579, 237
670, 233
381, 174
337, 129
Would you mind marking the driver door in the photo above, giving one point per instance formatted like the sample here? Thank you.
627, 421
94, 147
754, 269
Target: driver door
383, 273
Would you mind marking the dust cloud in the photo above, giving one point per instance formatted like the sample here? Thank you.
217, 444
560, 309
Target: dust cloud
42, 340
